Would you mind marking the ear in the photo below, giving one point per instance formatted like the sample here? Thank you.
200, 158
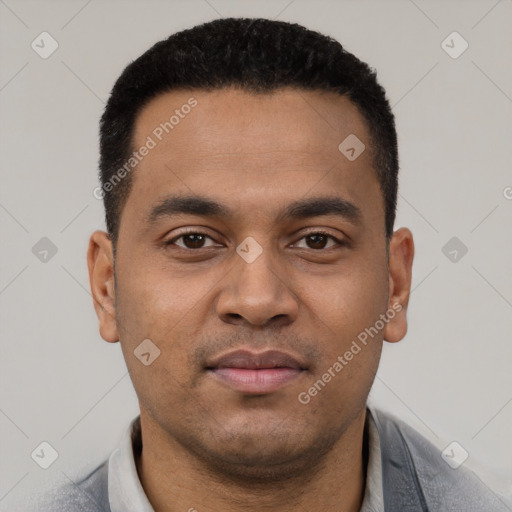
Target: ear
100, 260
401, 255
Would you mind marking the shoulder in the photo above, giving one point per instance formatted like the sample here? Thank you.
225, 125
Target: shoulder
88, 494
415, 471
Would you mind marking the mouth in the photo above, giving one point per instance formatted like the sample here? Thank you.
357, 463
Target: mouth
256, 373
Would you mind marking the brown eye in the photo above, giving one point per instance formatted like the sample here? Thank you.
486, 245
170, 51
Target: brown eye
191, 241
317, 241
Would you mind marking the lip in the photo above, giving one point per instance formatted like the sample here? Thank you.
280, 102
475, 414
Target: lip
256, 373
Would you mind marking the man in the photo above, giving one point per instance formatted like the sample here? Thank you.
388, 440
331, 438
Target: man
251, 274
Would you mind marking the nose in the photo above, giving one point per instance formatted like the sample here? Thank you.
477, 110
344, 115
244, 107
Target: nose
256, 294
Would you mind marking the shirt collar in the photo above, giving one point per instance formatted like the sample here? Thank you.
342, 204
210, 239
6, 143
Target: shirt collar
127, 495
373, 500
125, 492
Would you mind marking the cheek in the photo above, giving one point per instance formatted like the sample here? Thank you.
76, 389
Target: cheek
150, 299
150, 307
351, 306
351, 301
154, 305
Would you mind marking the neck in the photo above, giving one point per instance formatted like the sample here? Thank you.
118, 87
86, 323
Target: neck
174, 479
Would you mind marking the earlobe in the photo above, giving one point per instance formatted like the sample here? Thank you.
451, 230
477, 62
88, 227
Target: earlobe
401, 255
100, 261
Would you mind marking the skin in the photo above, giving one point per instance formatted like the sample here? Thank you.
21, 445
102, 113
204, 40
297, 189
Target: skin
205, 445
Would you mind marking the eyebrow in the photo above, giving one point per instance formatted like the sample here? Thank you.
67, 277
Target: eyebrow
301, 209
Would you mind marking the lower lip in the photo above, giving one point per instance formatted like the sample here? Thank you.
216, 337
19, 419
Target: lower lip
260, 381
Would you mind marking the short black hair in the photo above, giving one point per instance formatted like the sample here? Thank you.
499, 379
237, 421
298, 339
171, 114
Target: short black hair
258, 56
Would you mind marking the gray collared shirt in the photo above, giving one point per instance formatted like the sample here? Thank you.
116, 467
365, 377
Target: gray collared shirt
405, 472
127, 495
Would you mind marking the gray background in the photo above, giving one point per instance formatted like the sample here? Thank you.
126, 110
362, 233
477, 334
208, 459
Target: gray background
450, 378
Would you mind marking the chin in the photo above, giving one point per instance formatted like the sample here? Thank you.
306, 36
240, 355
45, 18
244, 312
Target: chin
264, 456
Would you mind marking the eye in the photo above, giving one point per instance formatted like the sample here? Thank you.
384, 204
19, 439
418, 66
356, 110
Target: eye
319, 240
191, 240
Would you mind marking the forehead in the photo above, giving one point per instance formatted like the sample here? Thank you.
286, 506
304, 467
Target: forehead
234, 143
234, 122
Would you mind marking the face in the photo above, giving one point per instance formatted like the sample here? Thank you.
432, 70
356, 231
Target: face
247, 229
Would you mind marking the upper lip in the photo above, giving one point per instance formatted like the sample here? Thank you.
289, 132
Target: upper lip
255, 360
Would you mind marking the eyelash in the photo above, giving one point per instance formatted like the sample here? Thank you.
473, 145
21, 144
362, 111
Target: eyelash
170, 242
